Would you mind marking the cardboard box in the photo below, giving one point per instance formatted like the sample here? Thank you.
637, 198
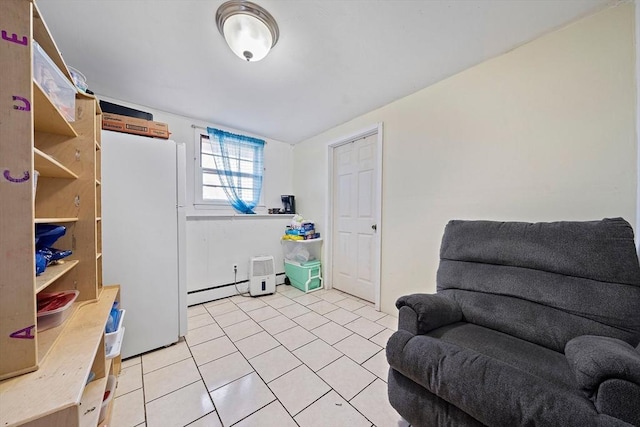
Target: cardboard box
135, 126
300, 232
306, 226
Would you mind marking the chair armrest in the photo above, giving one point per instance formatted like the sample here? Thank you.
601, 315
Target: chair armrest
421, 313
595, 359
619, 399
608, 370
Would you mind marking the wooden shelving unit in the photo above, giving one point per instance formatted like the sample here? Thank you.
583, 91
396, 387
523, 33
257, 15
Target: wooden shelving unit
63, 400
48, 167
53, 273
92, 397
43, 373
54, 220
47, 117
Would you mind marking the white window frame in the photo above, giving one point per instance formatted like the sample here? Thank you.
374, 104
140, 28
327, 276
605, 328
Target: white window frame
199, 201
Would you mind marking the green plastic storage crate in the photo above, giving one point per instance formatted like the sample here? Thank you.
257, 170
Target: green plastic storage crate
306, 276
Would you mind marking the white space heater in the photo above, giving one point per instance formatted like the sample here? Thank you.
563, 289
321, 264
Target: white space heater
262, 276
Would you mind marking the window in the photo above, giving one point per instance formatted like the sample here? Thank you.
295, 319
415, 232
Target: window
230, 170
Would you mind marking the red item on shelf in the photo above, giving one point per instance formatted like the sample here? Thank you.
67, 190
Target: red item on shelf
54, 308
53, 301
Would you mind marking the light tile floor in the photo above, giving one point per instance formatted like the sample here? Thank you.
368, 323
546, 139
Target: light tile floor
288, 359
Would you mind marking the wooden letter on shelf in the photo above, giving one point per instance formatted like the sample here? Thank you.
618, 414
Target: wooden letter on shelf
14, 38
27, 104
24, 333
8, 177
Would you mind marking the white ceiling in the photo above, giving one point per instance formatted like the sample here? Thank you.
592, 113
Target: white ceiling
335, 60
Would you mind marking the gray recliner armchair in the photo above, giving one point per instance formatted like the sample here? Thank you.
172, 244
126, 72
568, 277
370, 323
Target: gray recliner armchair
532, 325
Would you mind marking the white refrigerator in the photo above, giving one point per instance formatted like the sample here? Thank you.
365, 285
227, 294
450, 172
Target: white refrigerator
143, 237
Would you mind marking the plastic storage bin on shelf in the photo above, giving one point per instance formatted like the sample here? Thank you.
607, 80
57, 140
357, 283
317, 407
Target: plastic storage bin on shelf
61, 92
109, 392
54, 308
113, 340
306, 276
302, 250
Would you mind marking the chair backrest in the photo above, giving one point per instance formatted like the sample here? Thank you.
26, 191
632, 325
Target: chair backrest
544, 282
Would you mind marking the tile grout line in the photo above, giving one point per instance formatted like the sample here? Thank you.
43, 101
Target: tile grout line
167, 365
302, 363
197, 368
285, 408
253, 371
204, 383
311, 331
144, 398
267, 384
322, 379
344, 355
172, 391
359, 393
257, 410
283, 374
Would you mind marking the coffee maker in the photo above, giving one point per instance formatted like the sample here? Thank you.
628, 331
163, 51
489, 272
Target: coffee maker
289, 203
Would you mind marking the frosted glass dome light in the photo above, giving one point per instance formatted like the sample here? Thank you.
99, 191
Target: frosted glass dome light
249, 30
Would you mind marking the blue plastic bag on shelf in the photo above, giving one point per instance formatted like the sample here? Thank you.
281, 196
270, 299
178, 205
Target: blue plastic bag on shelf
114, 319
41, 263
47, 235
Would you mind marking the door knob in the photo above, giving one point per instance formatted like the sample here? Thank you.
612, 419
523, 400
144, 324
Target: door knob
374, 227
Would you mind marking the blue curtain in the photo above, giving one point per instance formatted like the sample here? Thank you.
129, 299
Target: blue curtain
240, 164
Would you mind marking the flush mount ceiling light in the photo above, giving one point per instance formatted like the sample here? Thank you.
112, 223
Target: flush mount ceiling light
250, 31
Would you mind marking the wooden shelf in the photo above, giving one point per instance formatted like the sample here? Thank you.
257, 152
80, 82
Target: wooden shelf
92, 399
47, 166
98, 108
308, 241
47, 339
107, 420
54, 220
47, 117
44, 378
53, 273
52, 394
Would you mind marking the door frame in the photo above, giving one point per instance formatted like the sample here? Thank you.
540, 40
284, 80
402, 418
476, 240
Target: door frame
375, 129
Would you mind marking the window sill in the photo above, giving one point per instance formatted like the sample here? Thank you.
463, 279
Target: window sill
221, 215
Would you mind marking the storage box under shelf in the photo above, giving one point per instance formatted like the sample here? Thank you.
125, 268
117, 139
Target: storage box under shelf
113, 340
305, 276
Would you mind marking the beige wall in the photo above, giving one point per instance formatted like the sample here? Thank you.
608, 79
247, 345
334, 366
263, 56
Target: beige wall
545, 132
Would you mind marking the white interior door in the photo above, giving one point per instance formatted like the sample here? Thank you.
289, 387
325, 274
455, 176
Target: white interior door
354, 243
